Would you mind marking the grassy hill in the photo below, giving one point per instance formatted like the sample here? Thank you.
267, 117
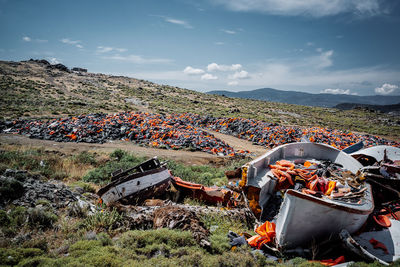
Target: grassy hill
37, 89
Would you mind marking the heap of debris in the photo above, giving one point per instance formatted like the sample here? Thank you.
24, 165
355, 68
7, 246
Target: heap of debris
20, 188
170, 132
181, 131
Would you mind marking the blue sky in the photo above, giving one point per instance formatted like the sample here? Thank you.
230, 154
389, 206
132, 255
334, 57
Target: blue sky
335, 46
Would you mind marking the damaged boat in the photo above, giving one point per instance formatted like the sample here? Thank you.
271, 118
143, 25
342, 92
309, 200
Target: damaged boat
381, 166
147, 180
320, 198
209, 195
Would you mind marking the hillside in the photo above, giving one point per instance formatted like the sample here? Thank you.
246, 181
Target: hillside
37, 89
307, 99
393, 109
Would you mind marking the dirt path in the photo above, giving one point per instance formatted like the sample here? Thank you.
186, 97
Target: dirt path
187, 157
239, 144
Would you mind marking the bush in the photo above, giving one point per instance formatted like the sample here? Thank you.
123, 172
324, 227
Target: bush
18, 215
104, 220
85, 158
36, 243
118, 154
152, 242
4, 219
41, 218
10, 189
14, 256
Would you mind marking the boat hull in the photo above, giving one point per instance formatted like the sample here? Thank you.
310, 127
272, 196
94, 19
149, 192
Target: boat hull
137, 187
304, 218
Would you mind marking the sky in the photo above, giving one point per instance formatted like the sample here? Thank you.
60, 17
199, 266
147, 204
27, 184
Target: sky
331, 46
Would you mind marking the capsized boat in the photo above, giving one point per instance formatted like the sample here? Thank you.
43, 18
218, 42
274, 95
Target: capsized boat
146, 180
304, 217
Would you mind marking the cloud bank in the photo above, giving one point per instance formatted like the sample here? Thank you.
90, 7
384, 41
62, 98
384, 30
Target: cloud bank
386, 89
315, 8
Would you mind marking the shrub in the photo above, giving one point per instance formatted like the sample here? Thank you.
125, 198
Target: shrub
41, 218
10, 189
14, 256
104, 220
4, 219
85, 158
163, 241
40, 243
18, 215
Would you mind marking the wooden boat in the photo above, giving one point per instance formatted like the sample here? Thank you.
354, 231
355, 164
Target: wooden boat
149, 179
303, 218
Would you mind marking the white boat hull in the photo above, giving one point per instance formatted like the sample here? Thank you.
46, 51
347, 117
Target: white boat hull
304, 218
137, 184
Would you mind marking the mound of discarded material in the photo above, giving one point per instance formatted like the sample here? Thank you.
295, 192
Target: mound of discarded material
20, 188
180, 218
181, 131
170, 132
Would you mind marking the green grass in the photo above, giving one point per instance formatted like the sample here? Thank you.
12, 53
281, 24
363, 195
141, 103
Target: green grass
203, 174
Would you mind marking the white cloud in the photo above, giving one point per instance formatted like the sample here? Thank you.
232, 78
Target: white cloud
337, 91
229, 31
386, 89
106, 49
310, 44
233, 83
53, 60
69, 41
76, 43
137, 59
179, 22
239, 75
216, 67
29, 39
209, 76
192, 71
219, 43
323, 60
315, 8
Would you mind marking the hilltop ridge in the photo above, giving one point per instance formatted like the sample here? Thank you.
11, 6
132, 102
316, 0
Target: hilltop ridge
308, 99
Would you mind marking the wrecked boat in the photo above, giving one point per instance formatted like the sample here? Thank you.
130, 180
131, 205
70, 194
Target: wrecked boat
209, 195
307, 213
381, 166
147, 180
381, 245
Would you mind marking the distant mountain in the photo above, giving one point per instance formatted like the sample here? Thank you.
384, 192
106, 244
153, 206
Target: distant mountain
307, 99
395, 109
